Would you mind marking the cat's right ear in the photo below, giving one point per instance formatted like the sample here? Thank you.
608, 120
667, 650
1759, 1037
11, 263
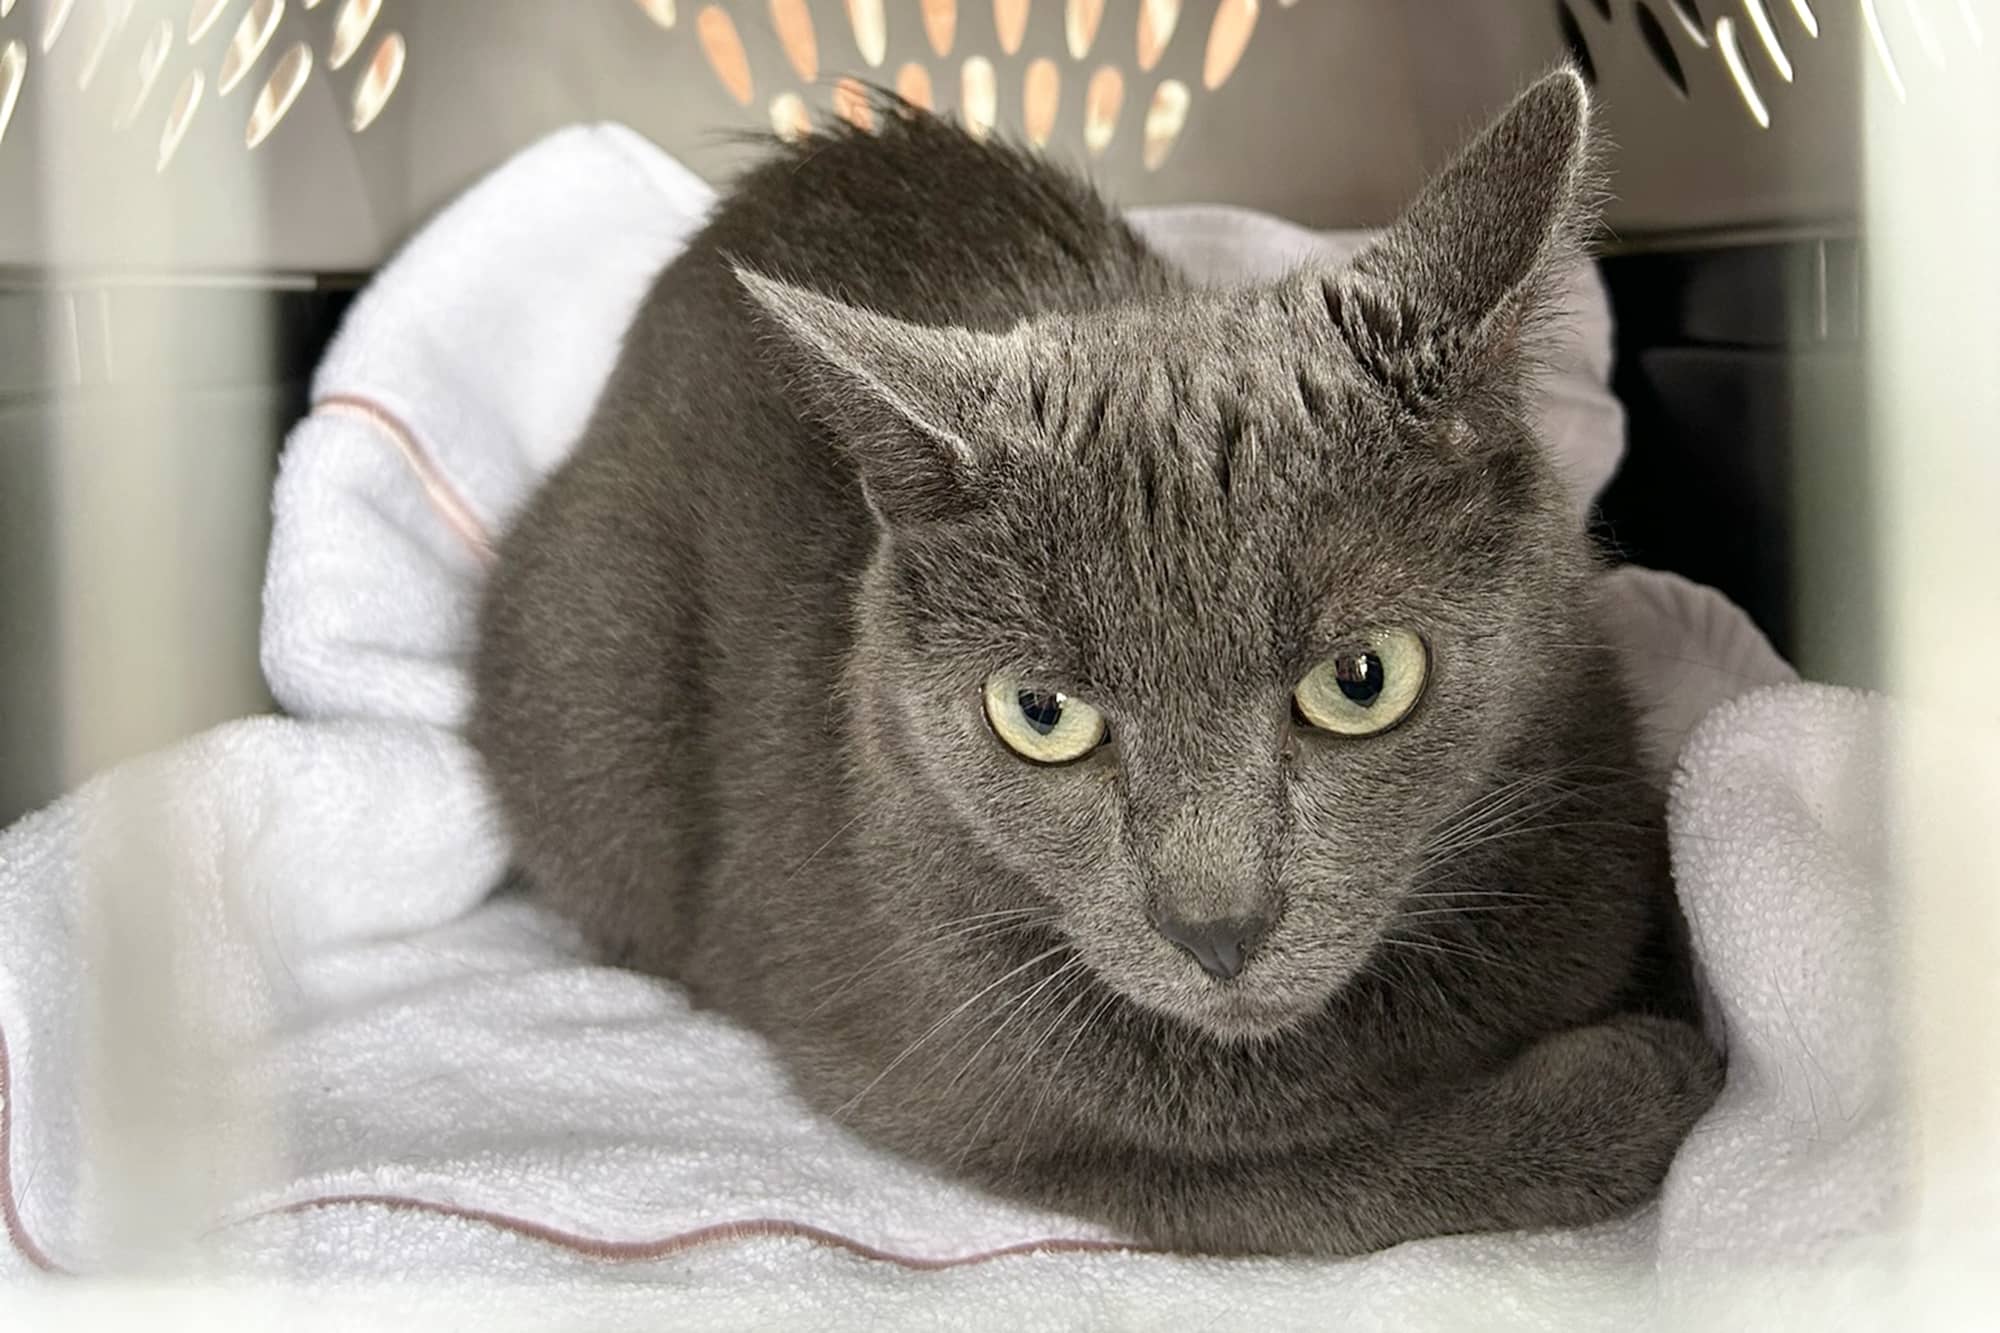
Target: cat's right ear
903, 398
1466, 276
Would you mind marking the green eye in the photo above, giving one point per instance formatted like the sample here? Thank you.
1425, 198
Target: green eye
1366, 688
1042, 726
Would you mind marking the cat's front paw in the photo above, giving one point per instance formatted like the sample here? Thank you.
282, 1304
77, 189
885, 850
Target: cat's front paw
1618, 1098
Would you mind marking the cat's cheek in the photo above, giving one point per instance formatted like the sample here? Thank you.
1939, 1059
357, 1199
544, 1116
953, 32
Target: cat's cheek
1352, 840
1046, 823
1331, 927
1059, 824
1106, 921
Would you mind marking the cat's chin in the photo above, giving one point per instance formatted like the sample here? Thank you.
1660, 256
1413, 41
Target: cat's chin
1236, 1020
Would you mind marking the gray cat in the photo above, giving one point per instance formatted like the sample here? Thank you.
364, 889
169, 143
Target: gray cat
1147, 750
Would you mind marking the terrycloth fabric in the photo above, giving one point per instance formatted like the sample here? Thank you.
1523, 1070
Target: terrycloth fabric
476, 357
393, 1078
1780, 847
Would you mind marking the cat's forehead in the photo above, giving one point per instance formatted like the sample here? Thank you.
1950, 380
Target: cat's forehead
1199, 334
1182, 375
1200, 494
1151, 408
1168, 579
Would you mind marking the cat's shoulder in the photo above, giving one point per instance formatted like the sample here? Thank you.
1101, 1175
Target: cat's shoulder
923, 185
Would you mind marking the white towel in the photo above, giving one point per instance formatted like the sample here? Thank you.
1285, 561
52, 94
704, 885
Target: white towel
399, 1080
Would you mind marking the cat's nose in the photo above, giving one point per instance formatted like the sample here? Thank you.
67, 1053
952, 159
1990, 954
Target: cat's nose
1219, 945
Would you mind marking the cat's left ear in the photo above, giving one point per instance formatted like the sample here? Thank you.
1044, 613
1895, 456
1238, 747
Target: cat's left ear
905, 400
1457, 283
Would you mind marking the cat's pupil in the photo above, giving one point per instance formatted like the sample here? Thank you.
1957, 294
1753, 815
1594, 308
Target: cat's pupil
1042, 708
1360, 677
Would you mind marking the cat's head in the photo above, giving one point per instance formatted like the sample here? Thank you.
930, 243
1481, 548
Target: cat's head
1198, 614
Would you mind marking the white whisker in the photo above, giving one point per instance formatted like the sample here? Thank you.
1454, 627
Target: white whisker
938, 1026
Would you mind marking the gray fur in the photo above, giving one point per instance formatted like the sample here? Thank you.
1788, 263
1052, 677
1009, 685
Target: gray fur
912, 410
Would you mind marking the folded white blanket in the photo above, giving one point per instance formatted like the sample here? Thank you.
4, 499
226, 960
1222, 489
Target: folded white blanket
391, 1076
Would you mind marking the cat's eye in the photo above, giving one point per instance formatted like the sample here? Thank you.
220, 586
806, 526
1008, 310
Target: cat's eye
1366, 687
1042, 726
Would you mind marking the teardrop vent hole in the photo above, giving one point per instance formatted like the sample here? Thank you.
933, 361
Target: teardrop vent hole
1661, 47
1579, 50
1692, 23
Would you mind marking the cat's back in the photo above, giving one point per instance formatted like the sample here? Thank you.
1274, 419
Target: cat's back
920, 220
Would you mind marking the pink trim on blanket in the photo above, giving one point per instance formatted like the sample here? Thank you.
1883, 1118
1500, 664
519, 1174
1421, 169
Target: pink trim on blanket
622, 1251
631, 1251
444, 497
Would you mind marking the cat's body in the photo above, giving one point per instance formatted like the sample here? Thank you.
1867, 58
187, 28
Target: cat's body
730, 680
